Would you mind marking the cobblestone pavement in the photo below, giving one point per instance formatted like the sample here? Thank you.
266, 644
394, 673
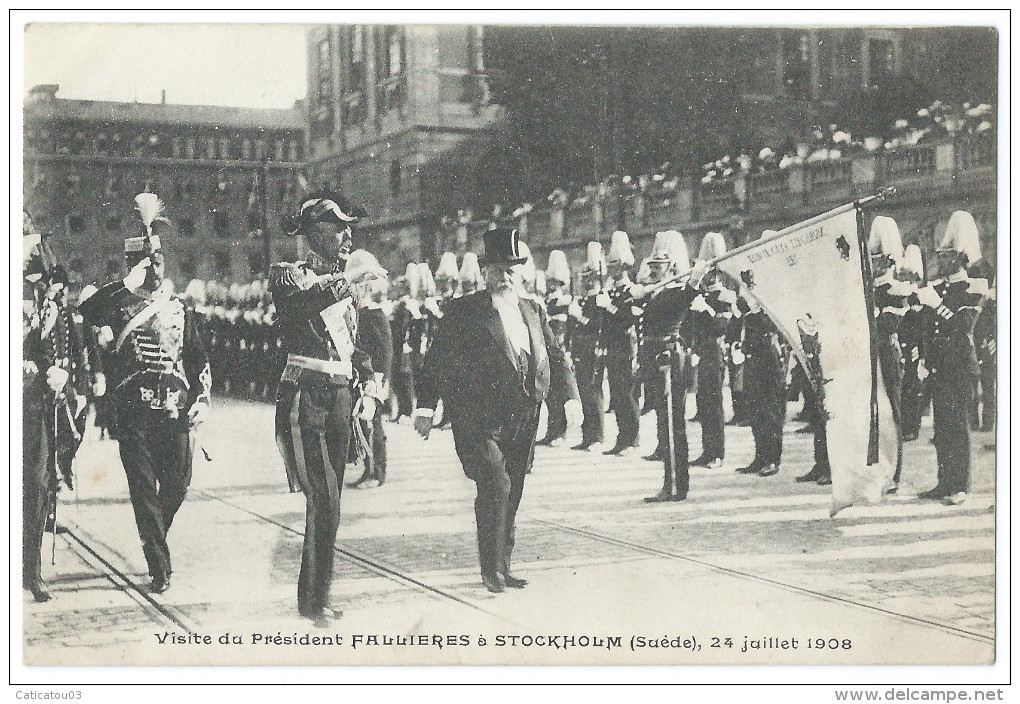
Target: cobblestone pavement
742, 553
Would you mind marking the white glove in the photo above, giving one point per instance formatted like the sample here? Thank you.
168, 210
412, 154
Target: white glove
698, 272
368, 405
99, 385
922, 371
105, 336
56, 378
727, 296
197, 413
915, 354
700, 305
136, 277
572, 409
738, 357
602, 300
637, 291
575, 310
927, 296
694, 360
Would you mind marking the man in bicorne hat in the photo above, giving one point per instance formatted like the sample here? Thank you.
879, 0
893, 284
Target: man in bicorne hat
159, 382
492, 362
621, 345
318, 323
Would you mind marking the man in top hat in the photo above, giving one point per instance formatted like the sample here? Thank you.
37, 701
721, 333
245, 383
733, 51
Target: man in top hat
160, 384
557, 301
952, 358
318, 323
493, 361
710, 316
665, 354
368, 280
621, 344
587, 346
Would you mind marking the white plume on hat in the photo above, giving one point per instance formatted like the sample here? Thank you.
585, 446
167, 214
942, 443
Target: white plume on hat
558, 269
447, 266
150, 208
425, 280
470, 271
528, 268
362, 265
713, 246
195, 291
962, 236
885, 238
669, 246
594, 261
413, 279
912, 261
620, 249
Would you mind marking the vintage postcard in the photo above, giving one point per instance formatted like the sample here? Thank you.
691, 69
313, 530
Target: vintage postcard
366, 341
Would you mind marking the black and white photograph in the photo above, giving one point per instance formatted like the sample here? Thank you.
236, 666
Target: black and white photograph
664, 341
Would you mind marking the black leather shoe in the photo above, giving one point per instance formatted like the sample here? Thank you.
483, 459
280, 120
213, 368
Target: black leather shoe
514, 582
935, 494
768, 470
714, 464
811, 476
583, 447
750, 469
824, 480
620, 451
679, 497
663, 495
160, 584
493, 583
39, 591
700, 461
546, 441
361, 480
656, 456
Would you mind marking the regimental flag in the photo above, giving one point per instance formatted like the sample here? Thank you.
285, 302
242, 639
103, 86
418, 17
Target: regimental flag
814, 282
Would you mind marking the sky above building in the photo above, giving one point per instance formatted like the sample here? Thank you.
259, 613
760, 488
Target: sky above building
253, 65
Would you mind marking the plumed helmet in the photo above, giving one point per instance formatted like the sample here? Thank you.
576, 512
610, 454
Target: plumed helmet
962, 236
594, 262
644, 274
528, 269
558, 269
620, 251
447, 266
669, 246
540, 287
412, 279
885, 238
470, 271
363, 265
913, 263
195, 291
425, 280
713, 246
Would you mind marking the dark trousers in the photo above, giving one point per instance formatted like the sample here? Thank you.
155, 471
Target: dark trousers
951, 401
737, 392
496, 456
988, 381
556, 425
911, 408
766, 405
403, 390
709, 399
156, 454
890, 360
38, 474
676, 472
589, 387
623, 397
313, 432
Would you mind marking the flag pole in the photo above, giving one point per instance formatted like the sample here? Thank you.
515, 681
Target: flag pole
882, 194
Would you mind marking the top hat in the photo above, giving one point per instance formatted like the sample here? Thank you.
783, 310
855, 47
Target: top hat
502, 246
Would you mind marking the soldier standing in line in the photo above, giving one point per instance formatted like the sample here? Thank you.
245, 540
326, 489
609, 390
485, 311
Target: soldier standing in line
956, 302
588, 349
984, 340
318, 322
446, 278
557, 301
160, 383
665, 356
710, 316
891, 305
375, 338
406, 310
911, 346
620, 336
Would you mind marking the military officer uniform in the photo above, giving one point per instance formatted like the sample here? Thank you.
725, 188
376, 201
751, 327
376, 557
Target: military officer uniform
557, 303
587, 347
708, 327
765, 365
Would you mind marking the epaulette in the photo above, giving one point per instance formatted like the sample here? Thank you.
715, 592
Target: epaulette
284, 274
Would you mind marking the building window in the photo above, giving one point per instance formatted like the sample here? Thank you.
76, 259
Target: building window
187, 227
391, 79
75, 224
210, 148
225, 148
113, 223
221, 263
221, 223
356, 59
178, 147
881, 67
246, 149
797, 65
323, 74
395, 177
189, 147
